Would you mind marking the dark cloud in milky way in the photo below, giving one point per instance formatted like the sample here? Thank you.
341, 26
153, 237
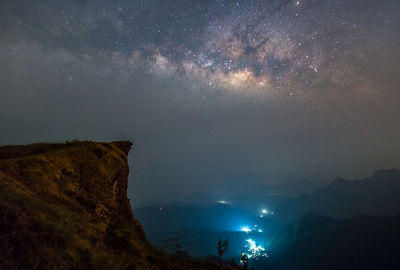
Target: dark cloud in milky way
216, 95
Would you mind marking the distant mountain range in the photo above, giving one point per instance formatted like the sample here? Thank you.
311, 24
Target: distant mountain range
244, 195
377, 195
318, 242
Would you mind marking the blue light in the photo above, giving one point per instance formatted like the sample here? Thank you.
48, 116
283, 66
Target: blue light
254, 250
245, 229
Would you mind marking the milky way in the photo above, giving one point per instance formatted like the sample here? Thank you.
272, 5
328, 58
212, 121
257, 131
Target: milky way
211, 92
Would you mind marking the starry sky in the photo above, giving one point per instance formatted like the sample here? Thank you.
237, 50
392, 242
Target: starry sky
218, 96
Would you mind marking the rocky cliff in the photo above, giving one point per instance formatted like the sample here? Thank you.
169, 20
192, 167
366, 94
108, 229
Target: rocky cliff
64, 206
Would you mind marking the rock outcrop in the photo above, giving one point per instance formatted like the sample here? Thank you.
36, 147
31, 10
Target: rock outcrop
64, 206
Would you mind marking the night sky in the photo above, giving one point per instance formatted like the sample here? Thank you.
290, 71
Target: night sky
219, 97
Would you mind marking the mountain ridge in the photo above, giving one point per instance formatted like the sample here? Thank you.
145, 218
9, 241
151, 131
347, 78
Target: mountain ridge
376, 195
319, 242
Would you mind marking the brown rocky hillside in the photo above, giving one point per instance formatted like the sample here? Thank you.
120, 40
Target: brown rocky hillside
64, 206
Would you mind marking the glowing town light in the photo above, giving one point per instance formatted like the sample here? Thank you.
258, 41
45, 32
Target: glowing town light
223, 202
264, 211
260, 230
245, 229
254, 250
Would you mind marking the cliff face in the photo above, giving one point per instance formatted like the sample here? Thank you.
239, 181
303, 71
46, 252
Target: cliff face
64, 206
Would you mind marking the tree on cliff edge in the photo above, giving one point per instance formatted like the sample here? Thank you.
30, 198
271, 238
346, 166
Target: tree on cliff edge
222, 248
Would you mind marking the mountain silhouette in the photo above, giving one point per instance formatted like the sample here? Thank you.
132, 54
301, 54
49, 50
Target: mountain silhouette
377, 195
319, 242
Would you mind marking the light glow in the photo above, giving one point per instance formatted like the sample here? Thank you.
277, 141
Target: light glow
248, 229
223, 202
245, 229
254, 250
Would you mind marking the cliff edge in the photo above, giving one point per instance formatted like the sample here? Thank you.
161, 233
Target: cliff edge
64, 206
